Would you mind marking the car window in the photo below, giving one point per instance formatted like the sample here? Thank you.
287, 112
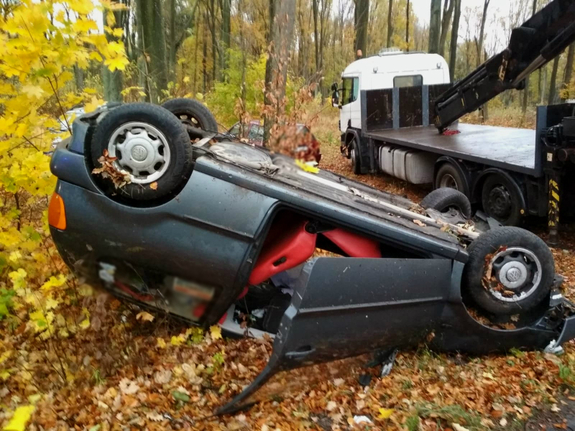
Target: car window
347, 91
408, 81
235, 130
355, 90
256, 133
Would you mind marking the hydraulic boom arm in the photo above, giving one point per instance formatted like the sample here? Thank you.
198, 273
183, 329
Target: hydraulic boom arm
536, 42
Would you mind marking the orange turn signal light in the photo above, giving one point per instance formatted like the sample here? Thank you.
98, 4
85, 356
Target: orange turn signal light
57, 212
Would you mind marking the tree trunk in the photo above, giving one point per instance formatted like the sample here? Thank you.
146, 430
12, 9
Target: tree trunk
172, 42
568, 73
112, 81
361, 20
553, 84
205, 53
407, 26
79, 79
390, 24
482, 33
226, 31
282, 20
446, 20
151, 32
315, 13
526, 90
434, 26
454, 39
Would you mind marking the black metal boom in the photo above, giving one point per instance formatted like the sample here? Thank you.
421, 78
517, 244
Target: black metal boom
532, 45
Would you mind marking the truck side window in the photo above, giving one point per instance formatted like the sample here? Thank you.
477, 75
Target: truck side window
350, 90
408, 81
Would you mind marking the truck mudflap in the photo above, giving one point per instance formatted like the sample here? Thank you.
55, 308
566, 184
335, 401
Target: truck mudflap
386, 304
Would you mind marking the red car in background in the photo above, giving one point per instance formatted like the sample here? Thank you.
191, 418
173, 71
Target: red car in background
253, 133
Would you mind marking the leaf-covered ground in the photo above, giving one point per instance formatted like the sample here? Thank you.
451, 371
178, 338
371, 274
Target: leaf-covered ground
129, 371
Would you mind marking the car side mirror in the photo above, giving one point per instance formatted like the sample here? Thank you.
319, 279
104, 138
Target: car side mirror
335, 98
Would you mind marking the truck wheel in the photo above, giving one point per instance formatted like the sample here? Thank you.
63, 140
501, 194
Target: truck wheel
501, 200
444, 199
449, 176
354, 155
147, 147
509, 271
192, 113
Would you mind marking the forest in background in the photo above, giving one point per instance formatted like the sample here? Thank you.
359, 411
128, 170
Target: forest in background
217, 50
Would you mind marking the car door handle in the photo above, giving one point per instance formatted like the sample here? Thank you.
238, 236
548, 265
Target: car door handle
300, 353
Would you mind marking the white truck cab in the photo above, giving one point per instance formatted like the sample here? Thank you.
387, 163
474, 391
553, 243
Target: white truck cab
389, 69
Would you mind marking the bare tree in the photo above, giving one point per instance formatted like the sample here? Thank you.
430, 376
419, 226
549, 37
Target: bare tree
568, 69
226, 31
361, 20
445, 22
435, 26
553, 83
153, 45
390, 23
454, 39
481, 39
282, 20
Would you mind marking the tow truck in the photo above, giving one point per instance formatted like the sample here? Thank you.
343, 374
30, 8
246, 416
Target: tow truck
391, 102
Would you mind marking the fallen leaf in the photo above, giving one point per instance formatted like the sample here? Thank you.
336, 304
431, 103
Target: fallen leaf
419, 223
154, 185
458, 427
215, 332
385, 413
144, 316
331, 406
20, 418
128, 387
180, 396
160, 343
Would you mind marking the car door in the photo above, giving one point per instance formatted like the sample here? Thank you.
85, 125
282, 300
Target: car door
345, 307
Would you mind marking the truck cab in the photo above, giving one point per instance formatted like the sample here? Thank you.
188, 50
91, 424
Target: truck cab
388, 69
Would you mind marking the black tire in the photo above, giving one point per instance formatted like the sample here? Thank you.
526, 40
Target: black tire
355, 157
192, 113
445, 198
498, 242
178, 161
448, 176
501, 200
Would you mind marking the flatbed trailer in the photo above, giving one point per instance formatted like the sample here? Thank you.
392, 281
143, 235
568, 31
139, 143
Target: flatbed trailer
509, 173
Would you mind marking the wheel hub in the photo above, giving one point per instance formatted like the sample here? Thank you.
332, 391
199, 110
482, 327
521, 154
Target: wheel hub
500, 203
518, 271
139, 153
141, 150
513, 275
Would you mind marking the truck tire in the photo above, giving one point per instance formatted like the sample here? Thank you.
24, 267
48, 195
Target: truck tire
445, 198
501, 199
509, 271
192, 113
355, 157
449, 176
151, 148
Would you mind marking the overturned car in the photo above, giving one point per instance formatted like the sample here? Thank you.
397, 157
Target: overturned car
177, 219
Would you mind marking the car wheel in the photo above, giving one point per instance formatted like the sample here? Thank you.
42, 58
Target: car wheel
192, 113
449, 176
444, 199
501, 200
509, 271
146, 146
355, 157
